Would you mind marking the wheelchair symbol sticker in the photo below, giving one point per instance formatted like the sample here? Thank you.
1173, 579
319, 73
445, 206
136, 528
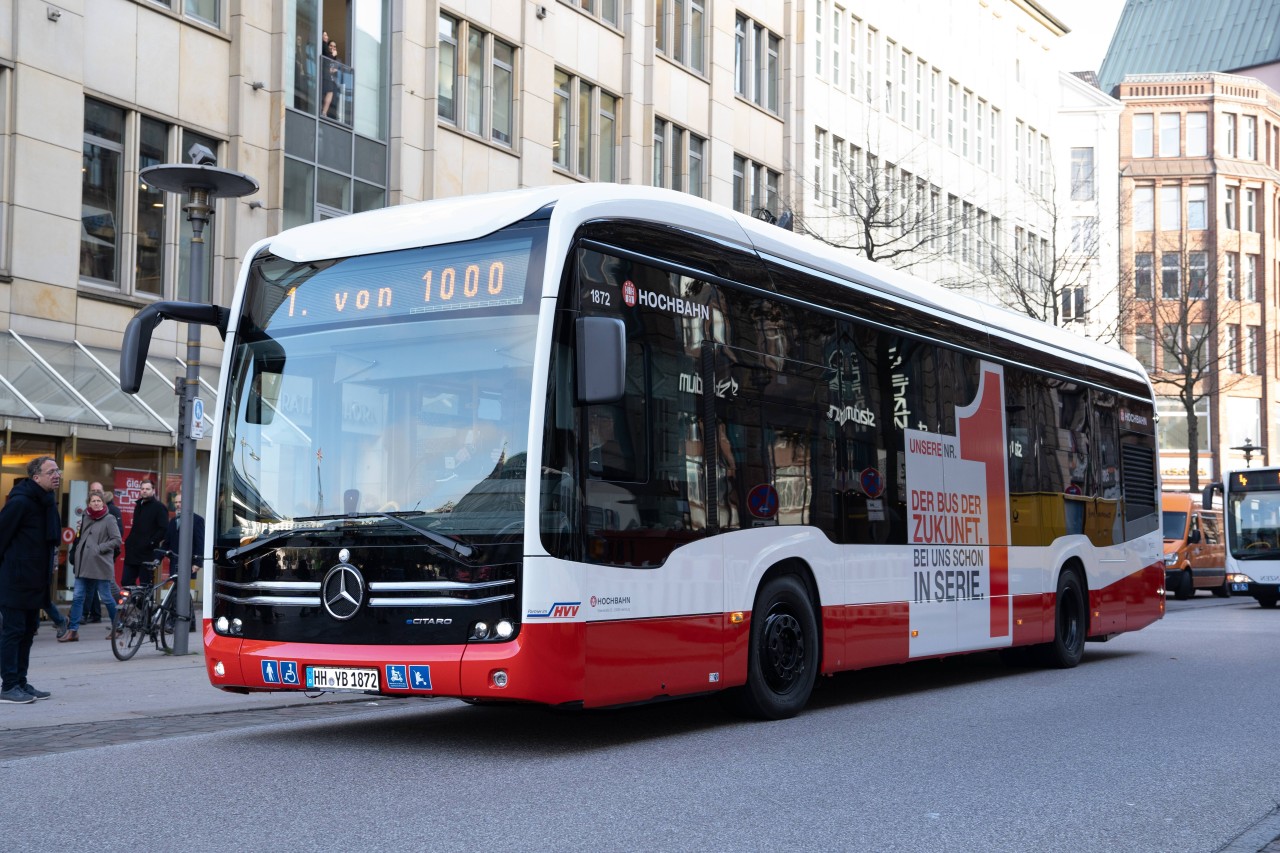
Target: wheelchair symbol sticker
396, 677
289, 672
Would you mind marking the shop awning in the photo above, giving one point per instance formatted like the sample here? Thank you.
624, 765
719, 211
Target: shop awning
56, 385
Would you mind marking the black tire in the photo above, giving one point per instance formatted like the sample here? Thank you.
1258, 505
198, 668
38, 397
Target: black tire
783, 656
1070, 623
1268, 602
1186, 586
129, 634
168, 619
1223, 590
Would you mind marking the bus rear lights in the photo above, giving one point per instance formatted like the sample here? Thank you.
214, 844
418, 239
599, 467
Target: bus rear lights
505, 629
499, 678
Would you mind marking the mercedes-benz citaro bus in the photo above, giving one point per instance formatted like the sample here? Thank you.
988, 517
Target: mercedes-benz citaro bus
1251, 523
599, 445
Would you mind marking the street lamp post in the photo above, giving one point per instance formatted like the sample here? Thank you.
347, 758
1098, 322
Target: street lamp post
1248, 449
202, 185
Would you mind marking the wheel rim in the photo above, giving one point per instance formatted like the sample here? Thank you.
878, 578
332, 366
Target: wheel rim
782, 651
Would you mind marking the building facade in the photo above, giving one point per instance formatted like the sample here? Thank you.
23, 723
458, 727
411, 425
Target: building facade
339, 106
1200, 189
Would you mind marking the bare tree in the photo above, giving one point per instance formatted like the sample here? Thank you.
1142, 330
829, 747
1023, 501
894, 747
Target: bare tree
878, 209
1188, 333
1052, 272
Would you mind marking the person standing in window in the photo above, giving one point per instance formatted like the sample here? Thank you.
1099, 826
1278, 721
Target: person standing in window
329, 107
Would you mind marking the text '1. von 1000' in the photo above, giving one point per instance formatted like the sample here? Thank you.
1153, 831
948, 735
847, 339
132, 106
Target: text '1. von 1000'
460, 277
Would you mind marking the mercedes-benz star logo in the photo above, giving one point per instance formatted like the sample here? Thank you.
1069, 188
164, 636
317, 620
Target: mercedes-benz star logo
342, 592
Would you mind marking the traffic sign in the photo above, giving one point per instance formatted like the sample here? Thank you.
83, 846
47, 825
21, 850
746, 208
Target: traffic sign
197, 419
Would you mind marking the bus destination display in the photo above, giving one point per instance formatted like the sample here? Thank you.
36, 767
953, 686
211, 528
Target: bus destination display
1260, 480
457, 277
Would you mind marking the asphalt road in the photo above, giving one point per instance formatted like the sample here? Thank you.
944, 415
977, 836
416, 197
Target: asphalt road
1157, 742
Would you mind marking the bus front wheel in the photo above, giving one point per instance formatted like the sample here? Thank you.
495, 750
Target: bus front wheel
1070, 623
1267, 601
782, 660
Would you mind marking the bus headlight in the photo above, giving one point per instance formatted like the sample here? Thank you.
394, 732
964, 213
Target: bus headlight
1239, 577
503, 629
222, 625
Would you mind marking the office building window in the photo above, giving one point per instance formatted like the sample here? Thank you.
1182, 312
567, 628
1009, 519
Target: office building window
1252, 347
1230, 207
1249, 138
1250, 220
1169, 135
605, 10
1084, 235
1170, 208
1082, 186
1231, 272
680, 33
1144, 345
1073, 304
584, 120
678, 161
205, 11
1232, 345
476, 91
1198, 275
1198, 208
1144, 208
133, 236
1143, 124
1249, 274
755, 189
1229, 134
756, 63
1143, 271
1170, 276
1197, 134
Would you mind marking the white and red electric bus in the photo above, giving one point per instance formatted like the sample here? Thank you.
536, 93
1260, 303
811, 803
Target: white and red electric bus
600, 444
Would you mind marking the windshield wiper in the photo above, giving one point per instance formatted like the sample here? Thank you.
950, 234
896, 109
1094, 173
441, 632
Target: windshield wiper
271, 538
449, 543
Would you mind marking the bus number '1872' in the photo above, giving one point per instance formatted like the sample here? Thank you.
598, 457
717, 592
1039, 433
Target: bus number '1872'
599, 297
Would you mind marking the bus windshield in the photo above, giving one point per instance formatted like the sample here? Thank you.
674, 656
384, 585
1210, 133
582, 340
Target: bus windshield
353, 393
1254, 529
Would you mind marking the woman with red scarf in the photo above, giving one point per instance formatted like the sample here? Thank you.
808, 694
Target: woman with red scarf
95, 563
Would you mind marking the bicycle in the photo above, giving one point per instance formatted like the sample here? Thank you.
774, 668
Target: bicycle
146, 611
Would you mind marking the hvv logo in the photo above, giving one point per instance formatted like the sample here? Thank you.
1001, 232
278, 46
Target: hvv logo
559, 610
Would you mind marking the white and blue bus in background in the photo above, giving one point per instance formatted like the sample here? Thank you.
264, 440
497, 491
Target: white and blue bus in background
1251, 522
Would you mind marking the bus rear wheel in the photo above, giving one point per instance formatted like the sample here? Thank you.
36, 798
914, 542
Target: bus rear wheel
782, 661
1070, 623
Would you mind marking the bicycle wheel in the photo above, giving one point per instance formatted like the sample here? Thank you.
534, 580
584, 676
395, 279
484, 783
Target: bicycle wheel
130, 631
167, 619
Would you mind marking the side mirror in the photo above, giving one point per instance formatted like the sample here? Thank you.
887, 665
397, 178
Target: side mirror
1206, 496
265, 382
601, 359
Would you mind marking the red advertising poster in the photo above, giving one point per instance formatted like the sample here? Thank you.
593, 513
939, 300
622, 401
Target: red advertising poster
128, 484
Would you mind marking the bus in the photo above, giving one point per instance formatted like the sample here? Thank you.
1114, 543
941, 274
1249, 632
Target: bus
602, 445
1251, 527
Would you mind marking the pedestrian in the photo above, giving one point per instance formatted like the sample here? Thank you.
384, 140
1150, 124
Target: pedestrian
92, 603
94, 561
150, 519
197, 542
30, 528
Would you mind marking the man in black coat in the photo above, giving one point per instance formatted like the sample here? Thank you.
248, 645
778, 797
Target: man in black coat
30, 528
150, 518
